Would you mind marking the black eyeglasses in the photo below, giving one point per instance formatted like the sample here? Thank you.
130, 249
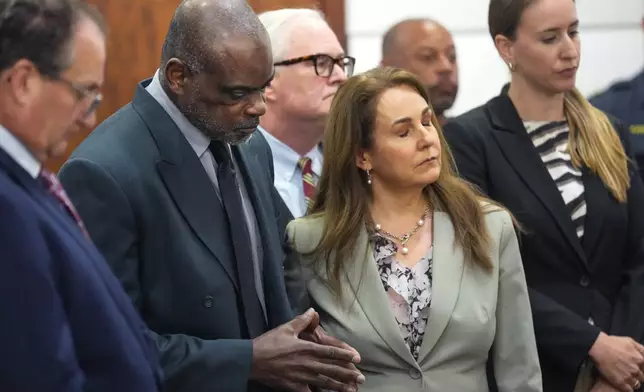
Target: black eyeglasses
83, 93
324, 64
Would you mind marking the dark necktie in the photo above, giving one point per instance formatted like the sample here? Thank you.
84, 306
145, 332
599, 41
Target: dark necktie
55, 188
231, 197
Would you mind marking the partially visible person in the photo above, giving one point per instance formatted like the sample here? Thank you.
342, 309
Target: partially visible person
425, 48
405, 261
625, 100
310, 64
66, 325
176, 189
564, 169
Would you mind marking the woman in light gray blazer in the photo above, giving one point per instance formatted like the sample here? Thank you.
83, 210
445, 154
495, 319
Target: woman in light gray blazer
403, 260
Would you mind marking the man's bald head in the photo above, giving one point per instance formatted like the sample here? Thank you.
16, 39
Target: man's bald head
398, 35
425, 48
201, 29
216, 63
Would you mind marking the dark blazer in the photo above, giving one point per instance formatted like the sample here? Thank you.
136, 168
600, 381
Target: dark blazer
66, 324
153, 212
570, 280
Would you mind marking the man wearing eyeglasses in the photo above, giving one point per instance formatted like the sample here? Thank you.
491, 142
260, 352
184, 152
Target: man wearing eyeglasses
310, 65
66, 324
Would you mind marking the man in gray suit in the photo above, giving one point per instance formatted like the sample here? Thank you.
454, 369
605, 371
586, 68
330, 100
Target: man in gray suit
176, 190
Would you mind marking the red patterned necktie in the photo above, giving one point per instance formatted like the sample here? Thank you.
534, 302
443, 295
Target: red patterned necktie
55, 188
308, 182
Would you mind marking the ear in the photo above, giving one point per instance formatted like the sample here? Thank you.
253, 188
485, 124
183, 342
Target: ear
363, 160
175, 75
505, 47
269, 92
23, 81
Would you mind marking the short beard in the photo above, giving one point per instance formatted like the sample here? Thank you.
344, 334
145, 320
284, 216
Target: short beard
210, 127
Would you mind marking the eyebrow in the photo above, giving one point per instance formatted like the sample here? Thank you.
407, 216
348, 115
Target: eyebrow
554, 29
408, 119
250, 88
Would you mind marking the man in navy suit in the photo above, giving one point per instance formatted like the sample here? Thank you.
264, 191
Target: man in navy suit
66, 325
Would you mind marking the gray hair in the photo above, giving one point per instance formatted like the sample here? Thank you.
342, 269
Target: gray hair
280, 23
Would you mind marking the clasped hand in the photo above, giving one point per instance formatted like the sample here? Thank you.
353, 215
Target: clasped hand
620, 360
299, 354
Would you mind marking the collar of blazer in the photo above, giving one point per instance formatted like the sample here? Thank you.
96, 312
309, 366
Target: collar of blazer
517, 147
366, 287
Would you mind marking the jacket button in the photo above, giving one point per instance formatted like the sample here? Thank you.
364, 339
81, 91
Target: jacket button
585, 281
207, 302
414, 373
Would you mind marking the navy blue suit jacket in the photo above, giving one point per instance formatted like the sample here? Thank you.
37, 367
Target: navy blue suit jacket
65, 322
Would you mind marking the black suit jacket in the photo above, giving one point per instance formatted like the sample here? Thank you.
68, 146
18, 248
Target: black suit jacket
570, 280
153, 212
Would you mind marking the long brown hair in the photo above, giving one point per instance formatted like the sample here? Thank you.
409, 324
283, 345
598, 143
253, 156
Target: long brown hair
343, 194
593, 141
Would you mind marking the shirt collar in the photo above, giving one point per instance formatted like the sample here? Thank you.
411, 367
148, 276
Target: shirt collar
198, 141
285, 159
19, 153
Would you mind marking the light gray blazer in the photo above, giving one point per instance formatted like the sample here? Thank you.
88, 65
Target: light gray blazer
471, 312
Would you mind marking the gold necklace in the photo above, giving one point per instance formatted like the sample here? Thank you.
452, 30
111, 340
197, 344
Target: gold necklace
406, 236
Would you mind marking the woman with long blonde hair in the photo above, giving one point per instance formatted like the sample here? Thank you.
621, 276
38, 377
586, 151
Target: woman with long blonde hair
404, 261
563, 169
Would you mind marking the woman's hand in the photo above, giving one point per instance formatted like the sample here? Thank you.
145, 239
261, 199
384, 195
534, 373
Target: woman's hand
603, 386
620, 360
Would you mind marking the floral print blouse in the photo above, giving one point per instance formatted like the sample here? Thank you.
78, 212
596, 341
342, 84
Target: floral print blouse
409, 290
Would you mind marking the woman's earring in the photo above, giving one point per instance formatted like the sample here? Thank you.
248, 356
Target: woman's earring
368, 176
511, 66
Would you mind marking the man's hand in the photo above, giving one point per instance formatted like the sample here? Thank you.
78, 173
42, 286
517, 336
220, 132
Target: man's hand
284, 361
316, 334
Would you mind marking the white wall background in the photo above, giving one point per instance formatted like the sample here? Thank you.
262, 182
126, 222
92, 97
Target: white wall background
612, 41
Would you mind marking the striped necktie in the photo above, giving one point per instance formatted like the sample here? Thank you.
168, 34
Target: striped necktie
308, 182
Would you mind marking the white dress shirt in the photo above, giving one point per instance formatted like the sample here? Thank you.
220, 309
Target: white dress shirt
288, 175
19, 153
200, 143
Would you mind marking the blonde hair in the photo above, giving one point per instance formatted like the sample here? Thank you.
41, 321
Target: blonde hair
594, 143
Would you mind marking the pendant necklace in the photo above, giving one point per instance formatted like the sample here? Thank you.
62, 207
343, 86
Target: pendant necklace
405, 237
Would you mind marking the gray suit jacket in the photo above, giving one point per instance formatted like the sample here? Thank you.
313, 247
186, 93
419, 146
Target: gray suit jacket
471, 313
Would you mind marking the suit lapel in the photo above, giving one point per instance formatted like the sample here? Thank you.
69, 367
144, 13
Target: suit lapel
365, 281
44, 199
447, 272
187, 181
519, 150
597, 198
